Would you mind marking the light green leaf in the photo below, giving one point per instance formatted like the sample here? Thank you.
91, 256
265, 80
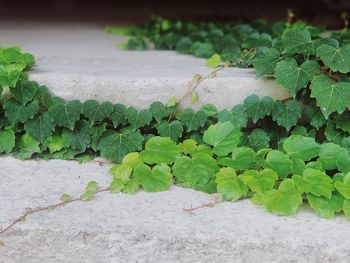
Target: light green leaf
41, 127
27, 147
90, 191
330, 96
155, 180
7, 140
326, 207
160, 150
114, 146
330, 153
315, 182
196, 171
304, 148
286, 115
293, 77
229, 185
96, 111
65, 198
257, 108
337, 58
285, 200
346, 208
243, 158
280, 162
56, 143
66, 114
10, 74
260, 182
343, 187
224, 137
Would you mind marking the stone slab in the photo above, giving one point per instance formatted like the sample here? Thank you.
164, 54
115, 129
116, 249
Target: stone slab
150, 227
81, 61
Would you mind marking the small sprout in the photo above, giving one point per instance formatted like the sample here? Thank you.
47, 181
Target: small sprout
29, 209
172, 102
65, 198
197, 77
194, 97
51, 207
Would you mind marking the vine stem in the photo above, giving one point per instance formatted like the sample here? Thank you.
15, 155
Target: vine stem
193, 85
212, 204
45, 208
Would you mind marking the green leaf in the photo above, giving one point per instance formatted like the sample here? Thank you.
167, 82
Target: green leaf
298, 166
114, 146
224, 137
315, 182
96, 111
265, 61
7, 140
41, 127
66, 114
160, 111
260, 182
214, 61
79, 137
118, 115
160, 150
196, 171
337, 58
209, 109
285, 200
155, 180
96, 133
257, 108
280, 162
173, 130
315, 116
188, 146
236, 116
297, 41
293, 77
138, 119
326, 207
257, 139
330, 96
304, 148
16, 112
27, 147
24, 91
229, 185
193, 120
330, 153
286, 115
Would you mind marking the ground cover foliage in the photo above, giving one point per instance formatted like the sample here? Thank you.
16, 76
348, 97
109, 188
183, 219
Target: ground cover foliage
278, 153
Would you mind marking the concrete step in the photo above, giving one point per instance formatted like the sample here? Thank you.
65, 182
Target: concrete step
150, 227
78, 61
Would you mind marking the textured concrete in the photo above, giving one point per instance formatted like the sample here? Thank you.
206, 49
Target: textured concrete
83, 62
150, 227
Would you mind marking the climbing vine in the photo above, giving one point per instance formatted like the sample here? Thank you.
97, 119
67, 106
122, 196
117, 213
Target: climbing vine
278, 153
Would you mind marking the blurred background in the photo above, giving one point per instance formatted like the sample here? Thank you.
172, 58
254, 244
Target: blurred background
322, 12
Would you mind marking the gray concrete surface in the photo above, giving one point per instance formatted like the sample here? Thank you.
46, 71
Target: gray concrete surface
150, 227
79, 61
